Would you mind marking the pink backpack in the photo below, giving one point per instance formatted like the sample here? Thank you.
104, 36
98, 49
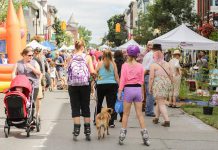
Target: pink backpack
78, 72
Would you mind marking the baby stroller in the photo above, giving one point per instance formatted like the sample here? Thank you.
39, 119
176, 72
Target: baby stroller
19, 106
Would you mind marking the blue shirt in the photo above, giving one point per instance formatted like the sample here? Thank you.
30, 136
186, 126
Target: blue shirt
105, 76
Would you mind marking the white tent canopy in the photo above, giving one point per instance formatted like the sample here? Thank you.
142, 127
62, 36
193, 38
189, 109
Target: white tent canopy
63, 47
185, 38
34, 44
104, 47
130, 42
71, 47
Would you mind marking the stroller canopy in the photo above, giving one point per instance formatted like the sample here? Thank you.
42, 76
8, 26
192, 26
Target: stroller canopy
22, 81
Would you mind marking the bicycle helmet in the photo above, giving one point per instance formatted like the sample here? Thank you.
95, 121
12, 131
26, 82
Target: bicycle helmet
133, 50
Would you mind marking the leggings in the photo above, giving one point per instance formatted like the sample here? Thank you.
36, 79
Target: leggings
80, 100
110, 92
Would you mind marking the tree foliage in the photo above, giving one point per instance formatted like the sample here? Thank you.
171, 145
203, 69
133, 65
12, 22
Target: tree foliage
4, 7
68, 40
117, 38
60, 34
165, 15
85, 34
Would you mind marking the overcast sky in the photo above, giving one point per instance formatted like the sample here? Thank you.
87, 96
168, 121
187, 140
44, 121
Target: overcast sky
93, 14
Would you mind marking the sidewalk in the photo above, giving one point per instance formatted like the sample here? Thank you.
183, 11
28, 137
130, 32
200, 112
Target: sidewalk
185, 133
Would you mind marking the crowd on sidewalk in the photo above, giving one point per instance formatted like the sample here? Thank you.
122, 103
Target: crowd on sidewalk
142, 77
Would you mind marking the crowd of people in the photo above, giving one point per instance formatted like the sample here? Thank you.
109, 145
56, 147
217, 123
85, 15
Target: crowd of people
143, 77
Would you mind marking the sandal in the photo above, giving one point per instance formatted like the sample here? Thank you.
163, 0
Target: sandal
155, 120
170, 105
174, 106
166, 124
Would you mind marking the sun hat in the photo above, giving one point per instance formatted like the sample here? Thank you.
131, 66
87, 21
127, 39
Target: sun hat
133, 50
176, 52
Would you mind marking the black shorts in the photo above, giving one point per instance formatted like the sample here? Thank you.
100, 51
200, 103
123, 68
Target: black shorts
80, 100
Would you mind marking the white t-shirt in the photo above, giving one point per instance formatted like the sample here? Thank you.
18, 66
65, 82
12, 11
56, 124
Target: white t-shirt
52, 72
148, 60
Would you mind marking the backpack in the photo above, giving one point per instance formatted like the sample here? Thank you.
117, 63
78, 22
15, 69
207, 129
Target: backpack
78, 71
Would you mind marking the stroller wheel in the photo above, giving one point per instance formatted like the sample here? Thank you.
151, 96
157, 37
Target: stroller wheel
38, 124
28, 131
6, 129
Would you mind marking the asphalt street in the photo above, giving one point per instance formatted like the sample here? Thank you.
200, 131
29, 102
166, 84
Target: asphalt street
185, 133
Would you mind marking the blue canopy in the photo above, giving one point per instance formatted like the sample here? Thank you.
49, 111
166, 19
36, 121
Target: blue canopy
49, 45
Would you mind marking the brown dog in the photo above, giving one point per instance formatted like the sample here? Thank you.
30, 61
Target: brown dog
102, 121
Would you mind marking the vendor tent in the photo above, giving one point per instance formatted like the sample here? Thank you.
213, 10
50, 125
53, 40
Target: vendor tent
34, 44
71, 47
104, 47
49, 45
185, 38
130, 42
64, 47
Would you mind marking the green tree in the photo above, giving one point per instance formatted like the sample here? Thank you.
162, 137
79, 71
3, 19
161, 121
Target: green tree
4, 7
113, 37
68, 40
85, 34
166, 15
59, 33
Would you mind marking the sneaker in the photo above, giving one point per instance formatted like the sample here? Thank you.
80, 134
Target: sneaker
112, 126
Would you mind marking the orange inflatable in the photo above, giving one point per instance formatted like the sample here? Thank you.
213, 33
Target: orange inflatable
14, 31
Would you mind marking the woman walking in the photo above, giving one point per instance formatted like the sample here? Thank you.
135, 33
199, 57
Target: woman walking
176, 70
132, 81
160, 86
79, 68
119, 60
107, 83
30, 68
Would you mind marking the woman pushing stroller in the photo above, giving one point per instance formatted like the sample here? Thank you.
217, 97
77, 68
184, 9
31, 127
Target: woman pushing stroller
31, 69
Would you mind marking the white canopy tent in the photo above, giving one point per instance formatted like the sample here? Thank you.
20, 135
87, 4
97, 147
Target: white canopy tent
104, 47
63, 47
71, 47
130, 42
185, 38
34, 44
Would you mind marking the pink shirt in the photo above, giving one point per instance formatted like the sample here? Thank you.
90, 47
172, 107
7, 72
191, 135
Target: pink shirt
131, 74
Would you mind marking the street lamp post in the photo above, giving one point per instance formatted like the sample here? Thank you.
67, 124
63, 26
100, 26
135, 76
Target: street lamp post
208, 11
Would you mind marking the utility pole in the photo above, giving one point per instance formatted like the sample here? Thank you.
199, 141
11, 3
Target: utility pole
208, 11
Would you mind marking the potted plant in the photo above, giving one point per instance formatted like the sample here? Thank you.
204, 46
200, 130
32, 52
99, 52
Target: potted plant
208, 110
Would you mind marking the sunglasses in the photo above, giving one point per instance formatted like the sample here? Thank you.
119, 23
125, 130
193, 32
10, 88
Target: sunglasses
30, 55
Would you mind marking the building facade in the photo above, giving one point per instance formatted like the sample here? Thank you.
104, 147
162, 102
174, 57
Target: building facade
131, 18
142, 6
72, 26
50, 32
36, 18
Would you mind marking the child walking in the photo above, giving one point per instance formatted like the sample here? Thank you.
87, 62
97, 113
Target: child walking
53, 75
132, 81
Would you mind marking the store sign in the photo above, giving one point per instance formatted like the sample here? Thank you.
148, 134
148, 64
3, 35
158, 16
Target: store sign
2, 46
